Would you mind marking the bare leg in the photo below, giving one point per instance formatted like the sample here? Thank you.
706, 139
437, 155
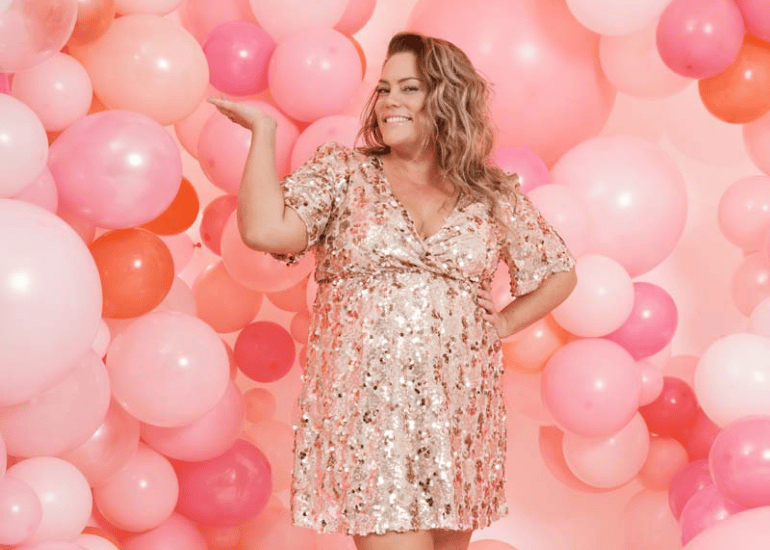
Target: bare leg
445, 539
413, 540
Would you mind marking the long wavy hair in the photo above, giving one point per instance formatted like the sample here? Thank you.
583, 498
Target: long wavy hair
457, 107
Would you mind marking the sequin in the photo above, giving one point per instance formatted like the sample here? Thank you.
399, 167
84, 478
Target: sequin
402, 420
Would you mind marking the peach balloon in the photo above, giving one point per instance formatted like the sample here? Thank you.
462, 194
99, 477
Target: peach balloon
339, 128
221, 538
93, 20
188, 130
567, 212
648, 523
201, 16
534, 345
744, 212
215, 216
275, 439
356, 14
756, 138
260, 404
147, 64
224, 303
551, 443
42, 192
606, 17
23, 146
175, 532
550, 92
300, 324
291, 299
152, 7
665, 458
522, 393
281, 18
751, 282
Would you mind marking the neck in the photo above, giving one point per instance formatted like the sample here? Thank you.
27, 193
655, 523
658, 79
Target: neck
417, 164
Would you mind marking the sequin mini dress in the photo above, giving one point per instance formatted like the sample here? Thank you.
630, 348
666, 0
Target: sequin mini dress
401, 417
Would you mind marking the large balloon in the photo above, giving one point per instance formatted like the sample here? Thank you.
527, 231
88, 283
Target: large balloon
201, 16
281, 18
607, 17
23, 146
755, 16
707, 507
748, 528
566, 211
744, 212
94, 18
176, 532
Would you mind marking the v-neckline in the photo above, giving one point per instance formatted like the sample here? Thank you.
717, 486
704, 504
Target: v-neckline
409, 219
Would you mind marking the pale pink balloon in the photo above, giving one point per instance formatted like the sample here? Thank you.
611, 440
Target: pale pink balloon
751, 282
682, 367
747, 528
550, 92
601, 301
223, 147
168, 368
756, 138
739, 362
652, 382
179, 299
530, 168
201, 16
690, 479
181, 247
339, 128
42, 192
356, 14
744, 212
147, 64
633, 65
223, 302
89, 541
20, 511
607, 17
63, 492
592, 387
314, 73
707, 507
117, 169
3, 457
648, 524
551, 443
608, 461
109, 447
62, 417
759, 320
258, 270
664, 459
215, 216
23, 146
39, 28
153, 7
175, 532
50, 300
275, 439
627, 181
58, 90
281, 19
203, 439
567, 212
188, 130
700, 38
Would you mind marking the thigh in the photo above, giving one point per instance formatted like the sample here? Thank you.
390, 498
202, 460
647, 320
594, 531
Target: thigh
445, 539
412, 540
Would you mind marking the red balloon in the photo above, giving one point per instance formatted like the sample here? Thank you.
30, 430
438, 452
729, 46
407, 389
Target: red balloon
673, 411
227, 490
700, 436
264, 351
214, 218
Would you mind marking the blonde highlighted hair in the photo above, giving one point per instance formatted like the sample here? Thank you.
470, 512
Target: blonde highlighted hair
457, 106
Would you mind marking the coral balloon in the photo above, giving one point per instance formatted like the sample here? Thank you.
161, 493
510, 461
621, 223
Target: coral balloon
530, 168
291, 299
20, 511
744, 212
93, 20
673, 411
286, 17
175, 532
117, 169
534, 345
703, 510
215, 216
260, 405
223, 302
136, 269
23, 146
180, 214
664, 459
264, 351
238, 53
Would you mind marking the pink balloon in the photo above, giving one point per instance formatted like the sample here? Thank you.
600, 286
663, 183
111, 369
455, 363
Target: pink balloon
626, 182
109, 447
273, 528
141, 495
227, 490
706, 507
175, 533
755, 17
751, 282
550, 92
168, 368
260, 404
205, 438
41, 192
652, 382
747, 528
201, 16
281, 19
756, 139
23, 146
223, 302
339, 128
700, 436
188, 130
62, 417
686, 483
117, 169
264, 351
50, 300
238, 53
147, 64
51, 545
5, 83
530, 168
215, 216
276, 441
700, 38
648, 524
84, 228
664, 459
744, 212
605, 17
3, 457
58, 90
567, 212
551, 443
156, 7
356, 14
224, 146
314, 73
63, 492
181, 247
592, 387
20, 511
759, 320
39, 28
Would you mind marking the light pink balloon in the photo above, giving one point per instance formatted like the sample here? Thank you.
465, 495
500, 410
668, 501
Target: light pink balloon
275, 439
601, 301
63, 492
147, 64
567, 212
550, 92
314, 73
175, 532
751, 282
224, 146
356, 14
201, 16
606, 17
42, 192
744, 212
62, 417
224, 303
23, 146
58, 90
706, 507
180, 299
285, 17
39, 28
530, 168
20, 511
51, 545
50, 300
749, 528
109, 447
181, 247
664, 459
648, 524
551, 443
633, 65
759, 320
627, 181
153, 7
188, 130
339, 128
3, 457
168, 368
89, 541
756, 138
700, 38
652, 382
141, 495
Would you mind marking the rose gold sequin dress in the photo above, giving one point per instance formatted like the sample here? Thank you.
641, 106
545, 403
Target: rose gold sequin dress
402, 421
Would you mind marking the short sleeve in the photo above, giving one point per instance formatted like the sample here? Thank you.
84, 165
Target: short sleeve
313, 190
530, 246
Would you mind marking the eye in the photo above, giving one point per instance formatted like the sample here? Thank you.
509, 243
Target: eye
411, 88
381, 91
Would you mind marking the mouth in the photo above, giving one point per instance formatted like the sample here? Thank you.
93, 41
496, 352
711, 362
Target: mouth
396, 120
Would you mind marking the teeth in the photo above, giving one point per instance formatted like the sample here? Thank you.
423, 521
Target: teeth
397, 119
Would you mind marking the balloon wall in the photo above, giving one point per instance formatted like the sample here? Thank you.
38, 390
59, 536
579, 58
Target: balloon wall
150, 363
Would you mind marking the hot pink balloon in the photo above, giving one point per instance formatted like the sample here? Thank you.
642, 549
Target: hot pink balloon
50, 300
117, 169
314, 73
226, 490
550, 92
42, 192
339, 128
592, 387
530, 168
281, 19
23, 146
706, 507
238, 53
176, 532
264, 351
215, 216
700, 38
567, 212
744, 212
751, 282
20, 511
224, 303
356, 14
686, 482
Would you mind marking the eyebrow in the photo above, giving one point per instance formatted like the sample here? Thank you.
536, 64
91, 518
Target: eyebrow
381, 81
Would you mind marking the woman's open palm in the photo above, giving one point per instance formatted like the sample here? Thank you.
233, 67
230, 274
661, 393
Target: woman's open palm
245, 114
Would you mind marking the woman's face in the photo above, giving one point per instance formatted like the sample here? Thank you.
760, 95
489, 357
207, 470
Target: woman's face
399, 107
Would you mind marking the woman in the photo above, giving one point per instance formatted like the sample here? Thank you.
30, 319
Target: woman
401, 439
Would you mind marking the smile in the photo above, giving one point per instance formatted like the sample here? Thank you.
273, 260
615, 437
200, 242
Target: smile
397, 119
